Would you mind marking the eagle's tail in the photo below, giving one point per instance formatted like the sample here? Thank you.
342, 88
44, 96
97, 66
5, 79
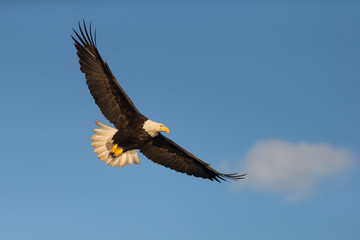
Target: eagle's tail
102, 142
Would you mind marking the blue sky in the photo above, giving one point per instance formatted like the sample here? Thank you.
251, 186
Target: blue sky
269, 89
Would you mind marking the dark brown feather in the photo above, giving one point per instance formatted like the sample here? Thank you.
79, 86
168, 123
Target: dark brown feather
165, 152
109, 96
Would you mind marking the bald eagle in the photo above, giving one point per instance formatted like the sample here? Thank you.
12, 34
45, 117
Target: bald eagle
118, 147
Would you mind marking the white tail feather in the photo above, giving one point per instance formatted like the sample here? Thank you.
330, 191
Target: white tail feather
102, 143
115, 163
122, 160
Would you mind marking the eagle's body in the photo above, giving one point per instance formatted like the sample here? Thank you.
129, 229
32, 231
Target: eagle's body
133, 136
133, 130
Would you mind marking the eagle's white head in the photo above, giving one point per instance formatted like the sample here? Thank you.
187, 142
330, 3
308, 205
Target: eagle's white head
153, 128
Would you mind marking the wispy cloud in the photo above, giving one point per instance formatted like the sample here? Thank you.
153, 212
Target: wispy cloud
293, 168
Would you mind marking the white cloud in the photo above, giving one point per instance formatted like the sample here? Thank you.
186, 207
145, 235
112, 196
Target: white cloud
293, 168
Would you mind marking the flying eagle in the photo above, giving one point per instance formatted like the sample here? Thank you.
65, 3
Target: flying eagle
133, 130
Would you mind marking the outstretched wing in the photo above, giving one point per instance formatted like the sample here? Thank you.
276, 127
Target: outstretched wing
109, 96
167, 153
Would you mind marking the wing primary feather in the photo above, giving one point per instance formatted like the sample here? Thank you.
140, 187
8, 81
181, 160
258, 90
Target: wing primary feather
86, 32
91, 36
80, 38
95, 37
76, 42
82, 33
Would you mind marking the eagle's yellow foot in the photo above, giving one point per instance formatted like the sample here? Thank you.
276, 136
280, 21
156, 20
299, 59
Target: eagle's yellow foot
113, 149
118, 152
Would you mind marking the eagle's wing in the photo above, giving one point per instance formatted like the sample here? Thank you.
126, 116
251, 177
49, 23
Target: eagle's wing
167, 153
109, 96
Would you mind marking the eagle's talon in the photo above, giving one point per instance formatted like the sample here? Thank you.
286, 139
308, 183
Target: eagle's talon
113, 149
118, 152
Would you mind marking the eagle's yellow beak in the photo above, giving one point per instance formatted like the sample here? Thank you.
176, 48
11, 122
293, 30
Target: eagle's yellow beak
164, 129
